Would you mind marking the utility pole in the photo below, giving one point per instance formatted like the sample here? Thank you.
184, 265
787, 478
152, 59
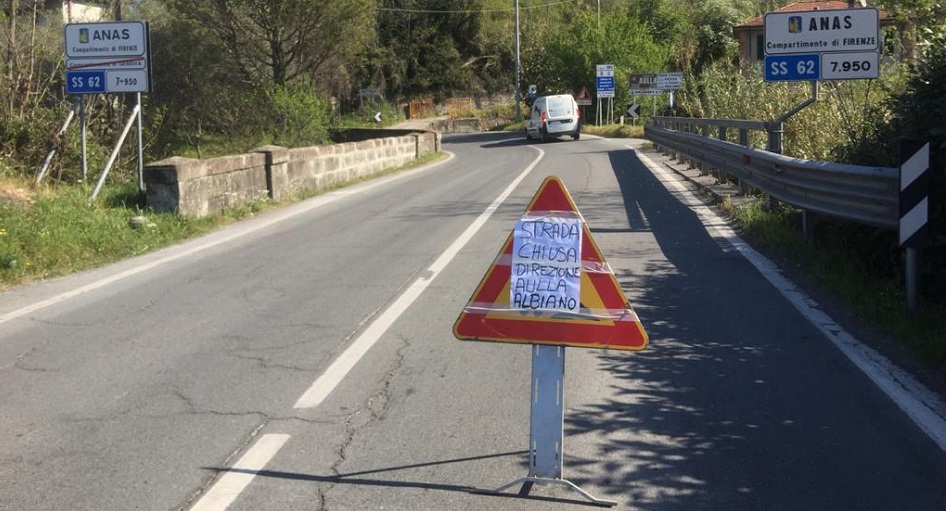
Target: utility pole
516, 95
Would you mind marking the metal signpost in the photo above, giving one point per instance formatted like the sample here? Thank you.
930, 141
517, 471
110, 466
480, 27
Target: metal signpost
838, 44
109, 58
604, 82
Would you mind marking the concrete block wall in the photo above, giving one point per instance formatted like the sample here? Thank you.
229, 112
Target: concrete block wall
197, 188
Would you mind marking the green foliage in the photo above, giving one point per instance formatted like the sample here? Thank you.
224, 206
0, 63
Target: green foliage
826, 130
278, 43
436, 52
300, 117
61, 232
567, 58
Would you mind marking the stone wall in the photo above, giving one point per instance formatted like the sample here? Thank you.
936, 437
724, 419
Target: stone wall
196, 188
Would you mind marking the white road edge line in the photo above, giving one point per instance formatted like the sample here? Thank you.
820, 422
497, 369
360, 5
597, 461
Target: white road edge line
212, 240
333, 375
241, 474
923, 407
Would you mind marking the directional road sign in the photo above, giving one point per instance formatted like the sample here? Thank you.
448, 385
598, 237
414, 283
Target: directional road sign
669, 81
604, 80
634, 110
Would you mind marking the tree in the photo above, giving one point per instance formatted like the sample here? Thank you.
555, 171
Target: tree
442, 50
30, 79
569, 57
284, 39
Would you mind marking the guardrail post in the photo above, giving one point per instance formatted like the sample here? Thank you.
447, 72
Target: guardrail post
775, 145
743, 141
704, 130
721, 174
692, 129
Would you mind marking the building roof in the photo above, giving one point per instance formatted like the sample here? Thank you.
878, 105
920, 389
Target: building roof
809, 6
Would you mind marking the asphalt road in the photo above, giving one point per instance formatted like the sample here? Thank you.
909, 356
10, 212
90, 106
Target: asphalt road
304, 360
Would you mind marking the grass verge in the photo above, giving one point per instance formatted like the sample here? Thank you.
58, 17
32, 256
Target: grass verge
57, 231
855, 265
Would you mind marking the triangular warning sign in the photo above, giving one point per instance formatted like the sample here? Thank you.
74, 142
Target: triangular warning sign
584, 96
603, 318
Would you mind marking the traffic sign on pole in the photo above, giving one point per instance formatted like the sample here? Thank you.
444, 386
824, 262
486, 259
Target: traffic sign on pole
634, 110
544, 312
604, 80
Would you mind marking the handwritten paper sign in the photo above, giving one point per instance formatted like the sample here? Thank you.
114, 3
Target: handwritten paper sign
546, 264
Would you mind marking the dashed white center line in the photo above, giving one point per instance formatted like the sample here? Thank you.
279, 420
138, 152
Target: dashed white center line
239, 476
332, 376
226, 490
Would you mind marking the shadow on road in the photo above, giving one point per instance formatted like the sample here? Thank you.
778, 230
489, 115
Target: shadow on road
738, 402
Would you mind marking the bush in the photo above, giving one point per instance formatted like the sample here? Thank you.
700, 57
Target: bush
299, 117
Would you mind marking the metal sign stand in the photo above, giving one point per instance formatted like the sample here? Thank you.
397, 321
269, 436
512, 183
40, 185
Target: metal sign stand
135, 115
53, 146
547, 426
83, 135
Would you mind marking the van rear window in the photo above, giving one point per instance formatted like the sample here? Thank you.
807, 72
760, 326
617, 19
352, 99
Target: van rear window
560, 106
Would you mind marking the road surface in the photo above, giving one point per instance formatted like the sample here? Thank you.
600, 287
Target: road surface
304, 359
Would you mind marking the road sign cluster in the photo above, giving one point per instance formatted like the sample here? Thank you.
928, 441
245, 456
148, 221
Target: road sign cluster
840, 44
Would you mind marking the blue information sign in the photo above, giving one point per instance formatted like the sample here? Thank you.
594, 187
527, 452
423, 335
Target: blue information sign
792, 68
85, 82
605, 84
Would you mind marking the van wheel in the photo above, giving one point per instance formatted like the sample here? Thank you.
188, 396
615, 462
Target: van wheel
576, 135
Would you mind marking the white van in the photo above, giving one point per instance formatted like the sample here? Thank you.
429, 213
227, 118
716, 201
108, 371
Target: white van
553, 116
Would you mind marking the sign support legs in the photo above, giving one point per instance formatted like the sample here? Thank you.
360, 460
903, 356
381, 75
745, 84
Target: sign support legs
83, 135
141, 153
547, 425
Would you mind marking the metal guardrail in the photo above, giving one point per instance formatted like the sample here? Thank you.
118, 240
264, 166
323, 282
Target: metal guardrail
866, 195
